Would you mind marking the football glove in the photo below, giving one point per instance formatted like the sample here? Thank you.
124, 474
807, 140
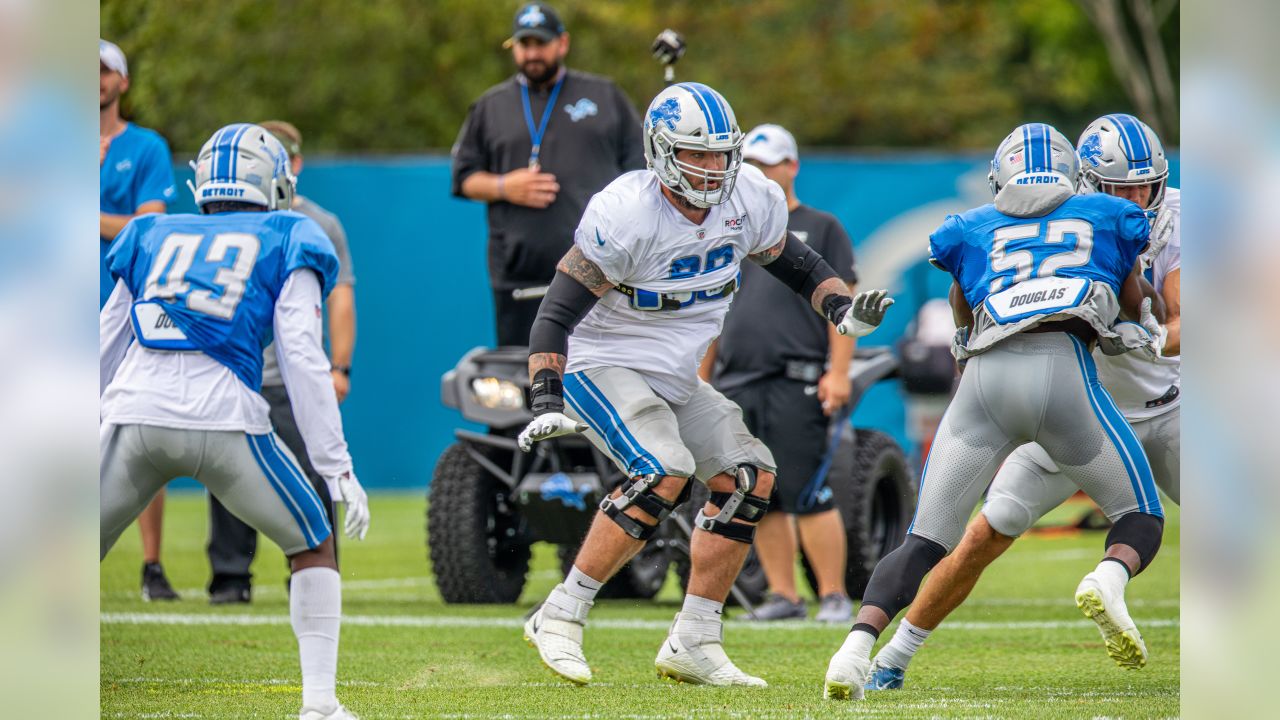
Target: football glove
547, 426
357, 502
865, 314
1161, 231
1159, 334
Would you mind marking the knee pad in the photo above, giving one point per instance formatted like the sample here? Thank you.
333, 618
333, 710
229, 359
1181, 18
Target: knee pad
640, 493
897, 577
737, 504
1140, 531
1007, 516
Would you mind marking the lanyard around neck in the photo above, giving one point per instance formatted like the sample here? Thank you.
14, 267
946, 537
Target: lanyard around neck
535, 136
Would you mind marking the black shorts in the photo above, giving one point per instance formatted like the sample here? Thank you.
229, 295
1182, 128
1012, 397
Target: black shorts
790, 423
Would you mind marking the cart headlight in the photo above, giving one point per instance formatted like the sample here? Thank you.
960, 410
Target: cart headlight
497, 394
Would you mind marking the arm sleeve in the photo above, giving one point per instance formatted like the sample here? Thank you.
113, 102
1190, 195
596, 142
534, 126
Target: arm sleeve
305, 371
838, 252
604, 237
469, 152
115, 333
630, 134
155, 176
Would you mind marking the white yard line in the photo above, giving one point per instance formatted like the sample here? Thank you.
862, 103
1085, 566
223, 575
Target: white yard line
456, 621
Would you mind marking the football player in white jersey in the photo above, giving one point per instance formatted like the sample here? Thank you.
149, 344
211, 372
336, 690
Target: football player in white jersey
633, 306
1121, 156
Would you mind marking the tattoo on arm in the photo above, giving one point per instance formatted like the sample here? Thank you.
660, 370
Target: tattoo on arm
768, 255
827, 288
546, 361
577, 266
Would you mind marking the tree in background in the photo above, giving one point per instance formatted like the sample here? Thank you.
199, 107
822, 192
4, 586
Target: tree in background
398, 75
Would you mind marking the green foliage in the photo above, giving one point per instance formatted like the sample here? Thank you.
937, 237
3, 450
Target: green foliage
398, 75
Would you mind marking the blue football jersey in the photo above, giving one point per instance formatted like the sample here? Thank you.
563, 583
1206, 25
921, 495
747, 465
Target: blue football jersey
216, 279
1094, 237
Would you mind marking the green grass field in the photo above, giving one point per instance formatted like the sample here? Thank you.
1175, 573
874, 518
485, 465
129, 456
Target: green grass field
1019, 648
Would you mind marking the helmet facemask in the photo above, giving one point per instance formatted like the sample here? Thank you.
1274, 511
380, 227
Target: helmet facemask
665, 149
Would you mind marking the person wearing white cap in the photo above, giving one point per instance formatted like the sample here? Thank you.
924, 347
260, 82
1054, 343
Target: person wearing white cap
136, 177
788, 398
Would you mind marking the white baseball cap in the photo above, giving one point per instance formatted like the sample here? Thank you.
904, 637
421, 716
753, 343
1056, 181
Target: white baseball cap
112, 56
769, 144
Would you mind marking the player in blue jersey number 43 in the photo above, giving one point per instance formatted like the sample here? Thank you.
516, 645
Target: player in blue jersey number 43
197, 298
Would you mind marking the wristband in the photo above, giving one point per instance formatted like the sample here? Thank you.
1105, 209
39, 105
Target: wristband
344, 369
501, 193
546, 394
835, 306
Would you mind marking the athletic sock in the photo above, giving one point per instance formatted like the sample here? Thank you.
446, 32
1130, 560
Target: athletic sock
1114, 573
581, 585
859, 642
703, 607
903, 646
315, 611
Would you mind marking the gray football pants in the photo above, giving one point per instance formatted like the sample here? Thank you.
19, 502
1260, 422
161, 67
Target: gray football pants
232, 543
1027, 486
1031, 387
256, 477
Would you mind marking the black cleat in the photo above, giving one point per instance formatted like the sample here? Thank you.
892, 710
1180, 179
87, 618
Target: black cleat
155, 586
231, 595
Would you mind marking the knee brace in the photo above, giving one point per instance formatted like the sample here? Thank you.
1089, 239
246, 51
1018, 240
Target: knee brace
737, 504
1140, 531
897, 577
640, 493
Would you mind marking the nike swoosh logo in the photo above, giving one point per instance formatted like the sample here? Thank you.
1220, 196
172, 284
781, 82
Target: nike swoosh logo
535, 626
599, 240
581, 585
672, 646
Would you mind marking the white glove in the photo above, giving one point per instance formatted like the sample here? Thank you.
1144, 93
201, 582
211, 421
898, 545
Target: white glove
866, 313
1161, 232
547, 426
357, 502
1153, 327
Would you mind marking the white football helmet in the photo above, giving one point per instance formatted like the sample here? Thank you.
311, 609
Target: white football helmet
1120, 149
1034, 154
243, 163
693, 116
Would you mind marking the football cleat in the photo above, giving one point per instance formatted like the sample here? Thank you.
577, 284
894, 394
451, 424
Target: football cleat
694, 653
555, 631
1105, 606
847, 673
338, 713
885, 678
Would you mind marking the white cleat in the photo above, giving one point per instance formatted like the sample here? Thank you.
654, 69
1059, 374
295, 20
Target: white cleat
338, 713
1105, 606
847, 673
556, 632
694, 653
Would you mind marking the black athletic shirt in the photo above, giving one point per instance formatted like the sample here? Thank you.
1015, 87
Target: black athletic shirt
768, 323
592, 137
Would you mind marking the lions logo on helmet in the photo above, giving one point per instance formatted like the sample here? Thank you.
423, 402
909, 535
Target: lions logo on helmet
1122, 150
1034, 154
692, 116
243, 163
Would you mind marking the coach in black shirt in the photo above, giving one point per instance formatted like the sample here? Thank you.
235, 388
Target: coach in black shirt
788, 382
536, 148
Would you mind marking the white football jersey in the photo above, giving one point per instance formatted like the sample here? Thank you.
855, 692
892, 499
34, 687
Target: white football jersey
1136, 379
639, 239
